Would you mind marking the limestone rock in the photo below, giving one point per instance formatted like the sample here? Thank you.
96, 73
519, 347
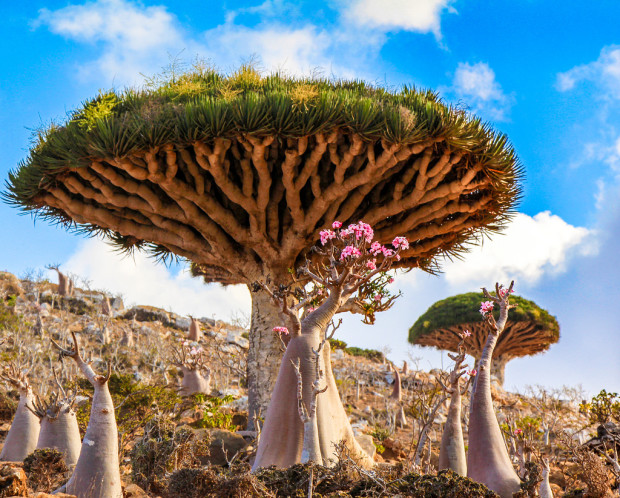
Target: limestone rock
223, 445
13, 481
366, 442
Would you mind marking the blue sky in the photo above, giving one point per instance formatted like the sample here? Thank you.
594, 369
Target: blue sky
546, 75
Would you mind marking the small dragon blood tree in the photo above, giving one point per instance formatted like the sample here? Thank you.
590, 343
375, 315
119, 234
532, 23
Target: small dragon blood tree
306, 419
191, 360
24, 432
97, 472
59, 426
237, 174
529, 330
487, 457
452, 450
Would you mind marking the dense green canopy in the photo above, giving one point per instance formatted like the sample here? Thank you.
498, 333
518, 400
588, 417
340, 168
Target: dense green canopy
530, 329
245, 169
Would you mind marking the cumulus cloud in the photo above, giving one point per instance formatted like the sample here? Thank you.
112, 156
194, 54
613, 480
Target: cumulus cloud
477, 85
603, 72
296, 51
141, 281
530, 248
422, 16
133, 39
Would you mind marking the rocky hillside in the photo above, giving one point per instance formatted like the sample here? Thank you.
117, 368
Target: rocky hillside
166, 437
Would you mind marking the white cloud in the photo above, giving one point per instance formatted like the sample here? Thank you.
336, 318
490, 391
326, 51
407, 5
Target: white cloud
142, 281
296, 51
604, 72
422, 16
476, 84
530, 248
134, 39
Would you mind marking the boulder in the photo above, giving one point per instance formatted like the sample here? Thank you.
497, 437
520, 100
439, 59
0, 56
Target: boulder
134, 491
223, 445
236, 337
13, 481
366, 442
10, 285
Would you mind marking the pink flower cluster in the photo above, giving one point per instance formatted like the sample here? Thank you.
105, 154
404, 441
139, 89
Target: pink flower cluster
336, 225
518, 432
326, 235
378, 297
371, 264
376, 248
361, 230
281, 330
195, 351
486, 307
472, 373
503, 292
350, 251
401, 243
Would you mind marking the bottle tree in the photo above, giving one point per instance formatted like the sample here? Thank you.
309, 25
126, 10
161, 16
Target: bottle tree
529, 330
239, 173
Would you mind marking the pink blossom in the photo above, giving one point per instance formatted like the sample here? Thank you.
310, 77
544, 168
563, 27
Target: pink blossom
486, 307
466, 333
518, 432
281, 330
375, 248
378, 297
310, 310
336, 225
350, 251
326, 235
371, 264
387, 253
472, 373
345, 232
397, 257
503, 292
401, 243
391, 280
362, 229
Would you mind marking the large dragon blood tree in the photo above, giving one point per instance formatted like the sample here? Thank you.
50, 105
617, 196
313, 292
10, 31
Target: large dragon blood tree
529, 330
238, 174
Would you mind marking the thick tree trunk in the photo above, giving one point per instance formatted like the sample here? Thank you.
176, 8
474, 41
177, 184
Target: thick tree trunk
264, 355
545, 488
97, 474
282, 437
195, 332
63, 434
194, 382
498, 365
452, 450
24, 432
487, 459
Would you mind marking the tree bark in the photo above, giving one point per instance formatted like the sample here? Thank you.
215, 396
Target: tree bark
452, 450
96, 474
63, 434
194, 382
24, 432
264, 355
282, 438
545, 488
498, 365
487, 459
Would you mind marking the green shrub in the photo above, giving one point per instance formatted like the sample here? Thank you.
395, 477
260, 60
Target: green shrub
603, 408
337, 344
371, 354
214, 417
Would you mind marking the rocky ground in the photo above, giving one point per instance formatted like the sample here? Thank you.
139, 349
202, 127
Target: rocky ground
166, 438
